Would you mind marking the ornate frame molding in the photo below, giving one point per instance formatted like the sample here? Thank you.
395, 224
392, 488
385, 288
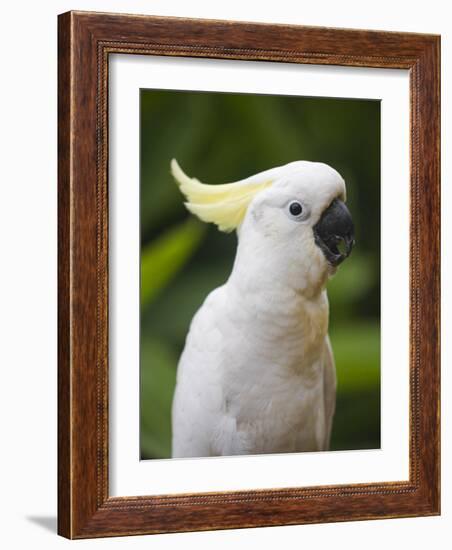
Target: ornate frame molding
85, 42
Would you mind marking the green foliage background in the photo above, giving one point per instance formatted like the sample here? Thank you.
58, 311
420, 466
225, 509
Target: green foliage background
219, 138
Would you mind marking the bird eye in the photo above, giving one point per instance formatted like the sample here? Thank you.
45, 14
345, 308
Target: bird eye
296, 209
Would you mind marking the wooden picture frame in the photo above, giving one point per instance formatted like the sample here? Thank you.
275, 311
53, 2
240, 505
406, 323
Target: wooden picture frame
85, 42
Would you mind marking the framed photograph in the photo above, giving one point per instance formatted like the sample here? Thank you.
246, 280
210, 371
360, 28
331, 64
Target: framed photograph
248, 275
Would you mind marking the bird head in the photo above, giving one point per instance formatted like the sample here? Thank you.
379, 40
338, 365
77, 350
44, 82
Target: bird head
292, 218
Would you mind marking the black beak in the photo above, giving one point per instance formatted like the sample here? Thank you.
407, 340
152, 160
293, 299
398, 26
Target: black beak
334, 233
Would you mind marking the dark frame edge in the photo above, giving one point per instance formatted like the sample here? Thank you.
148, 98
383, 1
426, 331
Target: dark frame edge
64, 289
431, 247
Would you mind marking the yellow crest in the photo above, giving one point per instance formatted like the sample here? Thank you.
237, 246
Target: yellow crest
226, 204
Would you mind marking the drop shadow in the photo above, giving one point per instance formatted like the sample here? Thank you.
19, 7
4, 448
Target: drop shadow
49, 523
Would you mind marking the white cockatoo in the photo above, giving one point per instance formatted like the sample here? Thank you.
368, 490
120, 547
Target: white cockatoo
257, 373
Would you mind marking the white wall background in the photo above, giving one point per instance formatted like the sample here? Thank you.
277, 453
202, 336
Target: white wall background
28, 269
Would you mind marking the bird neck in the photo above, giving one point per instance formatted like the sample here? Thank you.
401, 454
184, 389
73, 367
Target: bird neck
282, 320
271, 273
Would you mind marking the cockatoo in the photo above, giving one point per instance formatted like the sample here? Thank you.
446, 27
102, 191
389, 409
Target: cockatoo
257, 373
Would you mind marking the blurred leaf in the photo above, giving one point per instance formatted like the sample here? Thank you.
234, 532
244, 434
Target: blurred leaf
157, 380
356, 351
184, 295
269, 127
356, 422
163, 137
352, 281
163, 257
